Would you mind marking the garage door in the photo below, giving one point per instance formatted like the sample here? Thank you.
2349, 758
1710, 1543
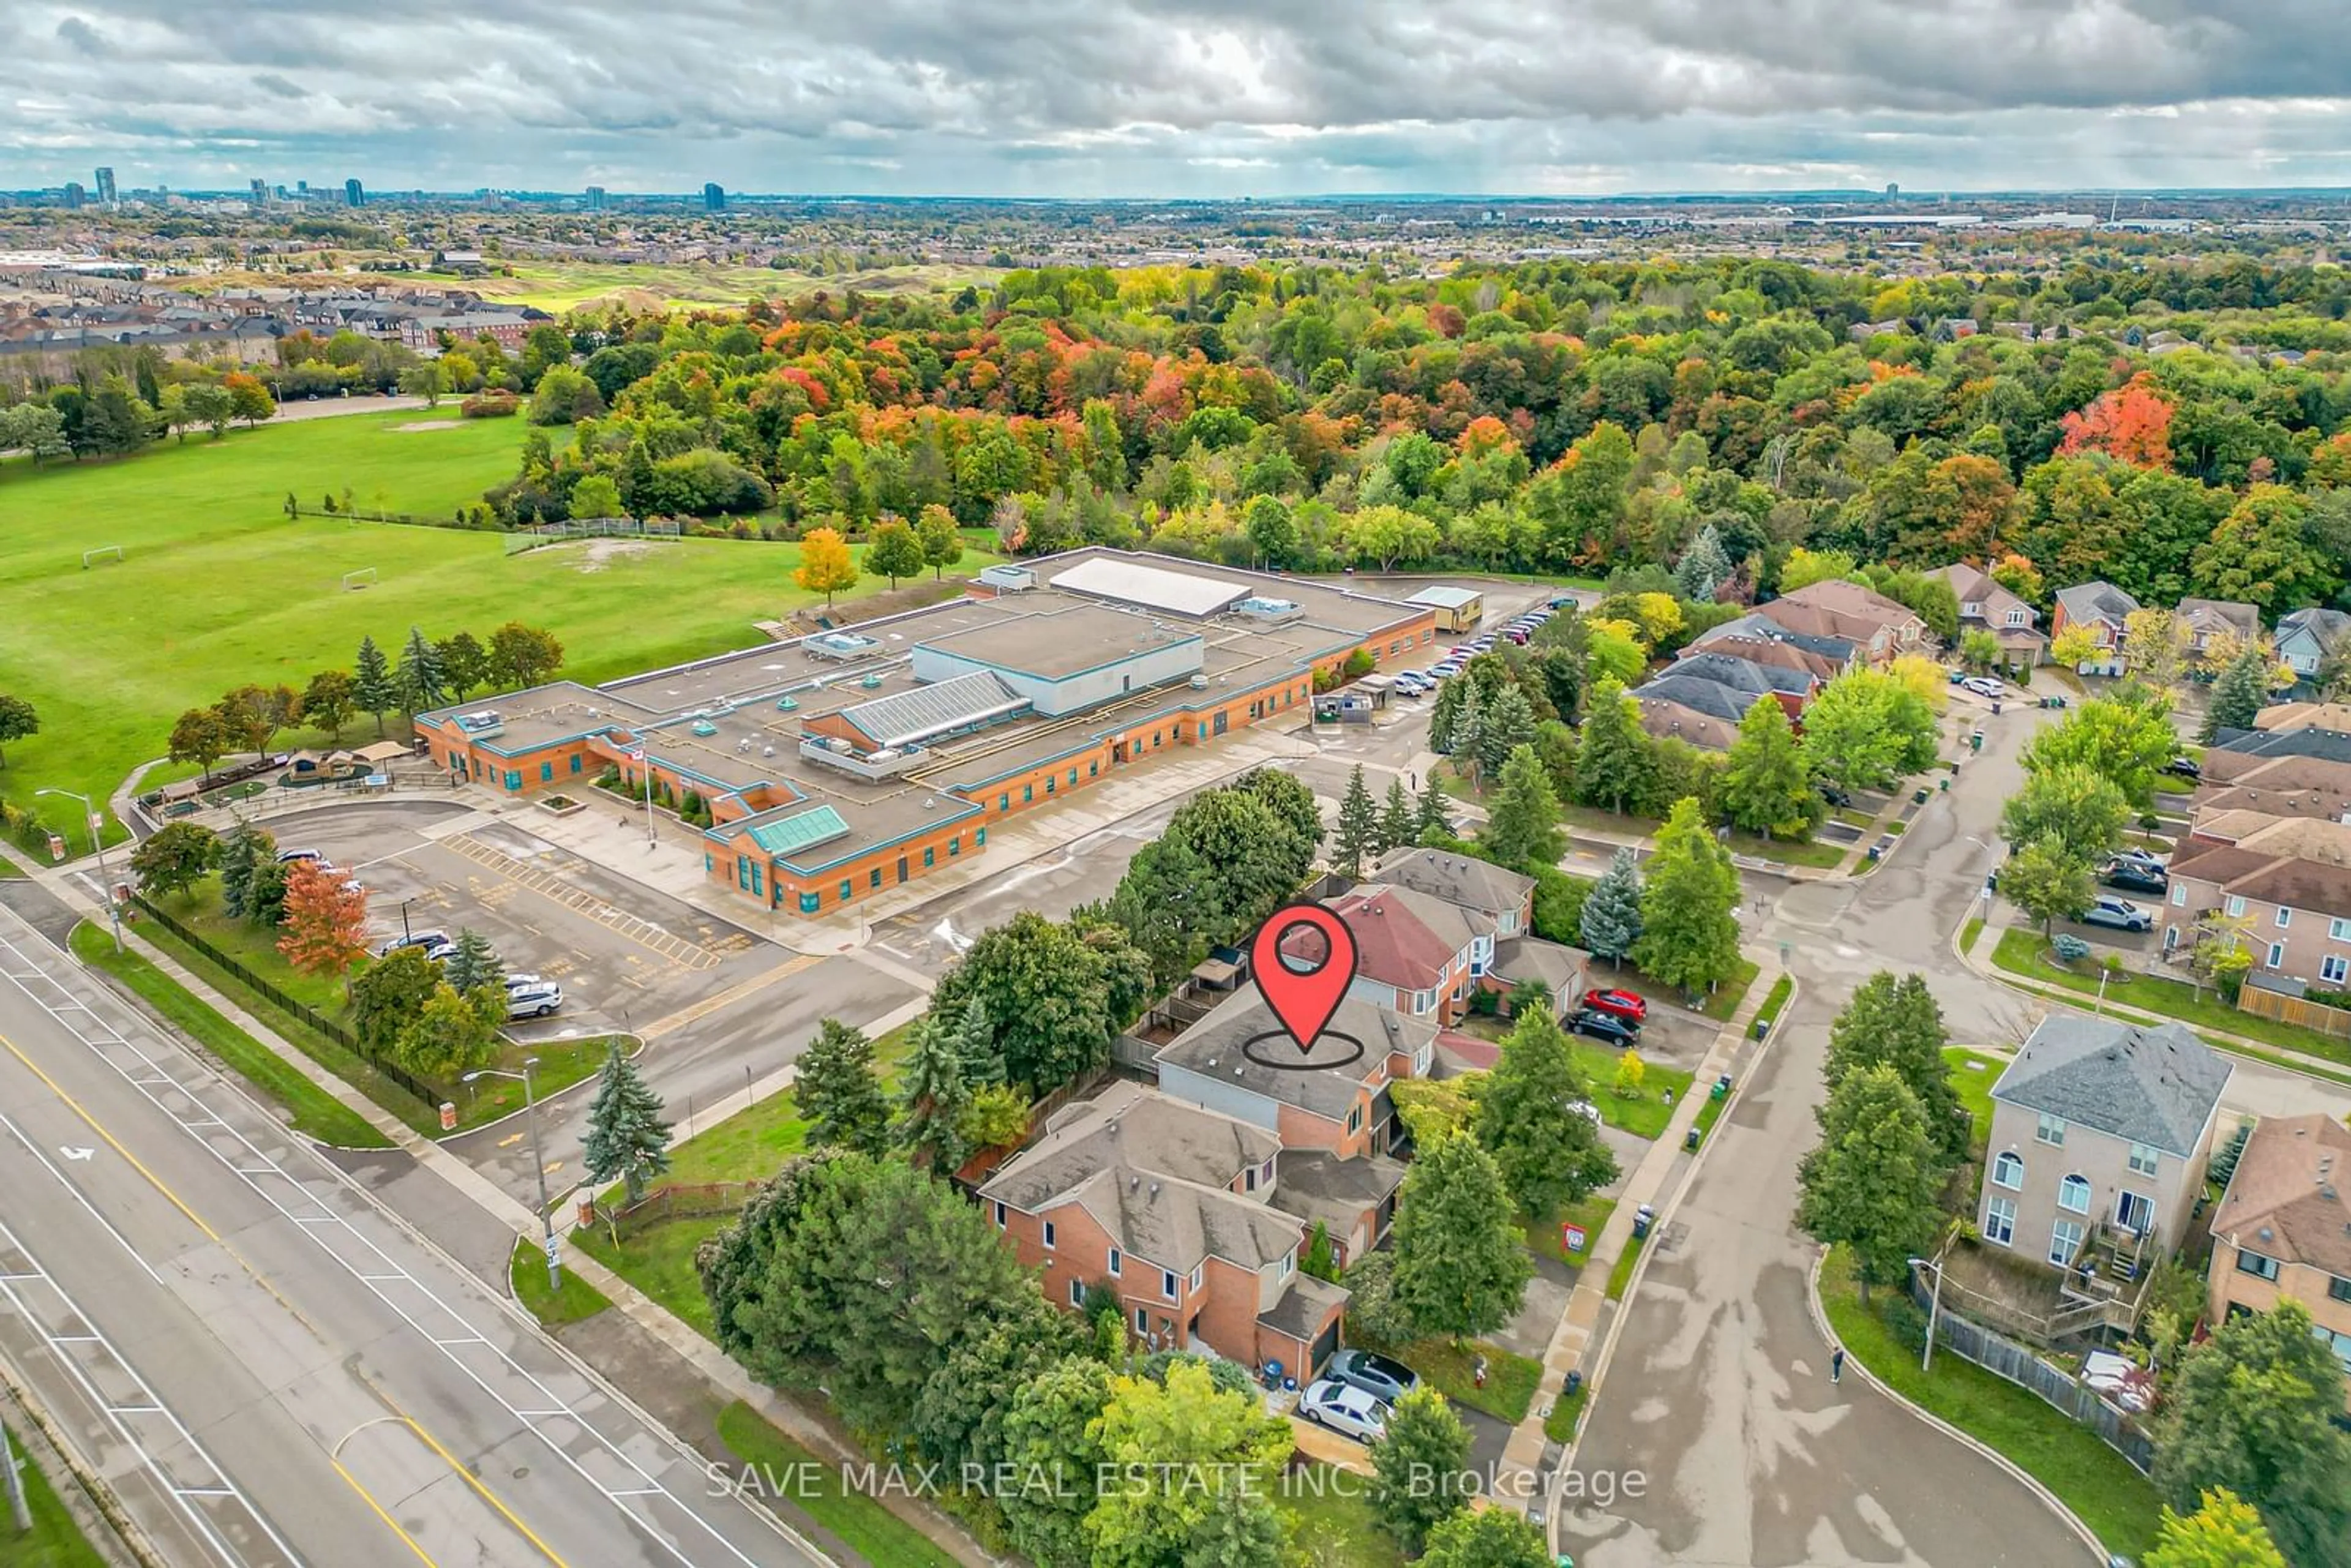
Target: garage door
1325, 1344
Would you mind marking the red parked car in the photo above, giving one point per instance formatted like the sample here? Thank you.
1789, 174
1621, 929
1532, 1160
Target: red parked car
1622, 1004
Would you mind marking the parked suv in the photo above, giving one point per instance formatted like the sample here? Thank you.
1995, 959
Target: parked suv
533, 1002
1605, 1027
2136, 876
1630, 1006
1376, 1375
2120, 913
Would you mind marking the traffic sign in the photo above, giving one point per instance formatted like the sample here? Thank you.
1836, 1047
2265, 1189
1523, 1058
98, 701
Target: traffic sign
554, 1251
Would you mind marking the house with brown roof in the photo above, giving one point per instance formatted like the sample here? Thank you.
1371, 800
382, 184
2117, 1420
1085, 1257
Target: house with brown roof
2279, 786
1760, 640
2101, 608
1508, 898
2290, 876
1221, 1062
2334, 717
1986, 606
1416, 954
2206, 619
1833, 607
2284, 1229
1170, 1207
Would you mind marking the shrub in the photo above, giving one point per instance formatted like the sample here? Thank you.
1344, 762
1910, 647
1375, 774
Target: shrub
490, 406
2070, 948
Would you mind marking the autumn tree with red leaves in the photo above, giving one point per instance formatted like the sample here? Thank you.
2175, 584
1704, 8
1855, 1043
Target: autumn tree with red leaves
325, 924
2131, 423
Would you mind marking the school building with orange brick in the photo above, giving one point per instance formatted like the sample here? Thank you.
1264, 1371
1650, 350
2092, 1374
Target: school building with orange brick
836, 766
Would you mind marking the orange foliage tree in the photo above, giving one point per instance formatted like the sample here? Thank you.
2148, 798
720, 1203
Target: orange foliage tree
325, 920
2131, 423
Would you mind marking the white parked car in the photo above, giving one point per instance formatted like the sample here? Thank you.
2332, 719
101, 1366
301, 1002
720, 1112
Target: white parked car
1984, 686
533, 1002
1343, 1407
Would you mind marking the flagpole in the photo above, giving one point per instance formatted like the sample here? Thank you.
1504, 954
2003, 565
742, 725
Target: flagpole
644, 763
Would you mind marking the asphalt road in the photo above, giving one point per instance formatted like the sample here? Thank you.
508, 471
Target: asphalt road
271, 1369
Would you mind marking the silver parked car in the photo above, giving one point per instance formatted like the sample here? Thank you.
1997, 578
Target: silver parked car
1343, 1407
1377, 1375
2120, 913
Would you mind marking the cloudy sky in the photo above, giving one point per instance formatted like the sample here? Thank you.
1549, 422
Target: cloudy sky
1175, 97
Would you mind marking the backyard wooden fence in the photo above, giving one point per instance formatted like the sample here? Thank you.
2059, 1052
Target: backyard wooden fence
2298, 1010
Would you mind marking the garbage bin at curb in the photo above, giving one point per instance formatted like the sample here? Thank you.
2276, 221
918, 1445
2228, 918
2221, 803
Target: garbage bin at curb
1642, 1217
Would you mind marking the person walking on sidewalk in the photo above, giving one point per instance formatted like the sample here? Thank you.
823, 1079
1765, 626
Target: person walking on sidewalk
1836, 1365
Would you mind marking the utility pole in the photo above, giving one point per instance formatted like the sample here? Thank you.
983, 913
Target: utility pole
15, 1470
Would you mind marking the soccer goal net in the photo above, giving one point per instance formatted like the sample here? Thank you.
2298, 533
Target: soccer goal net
363, 577
91, 558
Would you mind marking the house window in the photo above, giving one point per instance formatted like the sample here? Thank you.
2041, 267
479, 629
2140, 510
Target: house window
979, 838
2052, 1130
1197, 1272
1000, 1217
1142, 1321
1077, 1292
2074, 1194
1004, 801
930, 856
1356, 1119
2277, 954
2179, 895
2338, 1288
846, 888
1117, 1262
2008, 1171
1281, 1270
1168, 1283
514, 777
1049, 786
1999, 1220
1250, 1184
2065, 1240
810, 901
2143, 1159
2284, 917
1050, 1235
546, 772
1266, 1173
2334, 969
2254, 1263
1027, 793
2017, 617
575, 762
1074, 777
2338, 930
2340, 1344
2236, 906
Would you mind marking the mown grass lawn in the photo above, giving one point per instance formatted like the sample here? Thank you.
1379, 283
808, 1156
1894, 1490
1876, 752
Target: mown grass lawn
314, 1113
1544, 1235
781, 1466
1451, 1370
216, 588
1620, 1278
2113, 1499
1331, 1521
1973, 1073
575, 1301
54, 1540
2023, 952
1644, 1113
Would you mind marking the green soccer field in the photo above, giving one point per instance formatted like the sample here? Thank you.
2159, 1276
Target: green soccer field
216, 588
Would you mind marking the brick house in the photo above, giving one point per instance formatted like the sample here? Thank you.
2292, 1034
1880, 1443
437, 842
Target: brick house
1507, 899
1416, 954
2284, 1229
1986, 606
1169, 1205
1760, 640
2100, 608
2290, 876
2100, 1132
1884, 629
1344, 1109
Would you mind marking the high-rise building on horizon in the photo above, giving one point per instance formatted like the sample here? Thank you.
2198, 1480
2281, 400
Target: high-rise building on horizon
354, 193
73, 196
1892, 190
714, 197
106, 185
260, 191
595, 198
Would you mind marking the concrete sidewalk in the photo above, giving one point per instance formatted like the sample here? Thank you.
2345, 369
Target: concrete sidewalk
1664, 1165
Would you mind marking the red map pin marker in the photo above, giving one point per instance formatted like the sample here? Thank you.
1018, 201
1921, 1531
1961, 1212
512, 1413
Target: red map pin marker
1303, 960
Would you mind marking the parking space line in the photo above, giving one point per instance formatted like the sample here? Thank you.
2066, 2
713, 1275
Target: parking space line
545, 883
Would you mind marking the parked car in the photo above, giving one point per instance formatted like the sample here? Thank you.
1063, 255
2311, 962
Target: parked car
2144, 858
440, 952
1445, 670
1410, 683
1605, 1027
1343, 1407
1835, 795
1585, 1109
527, 983
533, 1002
2186, 768
2118, 913
1629, 1004
413, 939
1984, 686
288, 857
1376, 1375
1515, 635
2133, 877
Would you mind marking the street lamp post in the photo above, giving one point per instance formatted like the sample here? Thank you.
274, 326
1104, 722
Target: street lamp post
1934, 1310
106, 878
537, 1159
1991, 854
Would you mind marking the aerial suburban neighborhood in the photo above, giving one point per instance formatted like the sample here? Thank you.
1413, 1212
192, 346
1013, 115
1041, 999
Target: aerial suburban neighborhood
1179, 859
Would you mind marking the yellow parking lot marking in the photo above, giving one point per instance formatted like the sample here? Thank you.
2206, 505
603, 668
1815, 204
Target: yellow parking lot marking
798, 963
644, 934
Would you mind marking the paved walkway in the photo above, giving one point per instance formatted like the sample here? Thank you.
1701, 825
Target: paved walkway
1572, 1342
726, 1381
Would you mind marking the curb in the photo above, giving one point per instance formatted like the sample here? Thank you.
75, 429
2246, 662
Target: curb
1820, 1323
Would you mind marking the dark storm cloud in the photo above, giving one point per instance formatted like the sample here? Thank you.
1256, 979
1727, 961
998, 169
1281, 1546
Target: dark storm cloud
1183, 95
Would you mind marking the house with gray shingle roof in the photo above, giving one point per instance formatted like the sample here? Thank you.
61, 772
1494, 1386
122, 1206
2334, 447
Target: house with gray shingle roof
2100, 609
2100, 1131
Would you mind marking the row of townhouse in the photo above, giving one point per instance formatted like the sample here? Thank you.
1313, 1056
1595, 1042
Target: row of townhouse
1194, 1201
2104, 610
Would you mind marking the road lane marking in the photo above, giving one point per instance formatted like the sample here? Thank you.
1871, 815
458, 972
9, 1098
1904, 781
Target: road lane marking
389, 1524
75, 1106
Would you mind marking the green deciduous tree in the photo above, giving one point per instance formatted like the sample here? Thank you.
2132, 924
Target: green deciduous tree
2251, 1410
2225, 1531
1421, 1468
942, 541
464, 662
2126, 737
1046, 992
1191, 1444
448, 1035
892, 550
1871, 1181
2073, 807
627, 1139
1461, 1267
837, 1091
1050, 1432
18, 720
200, 736
1522, 828
1866, 729
387, 994
1610, 921
1766, 787
1487, 1538
1895, 1022
2047, 882
177, 858
1690, 936
1613, 757
329, 701
1358, 833
1549, 1156
522, 656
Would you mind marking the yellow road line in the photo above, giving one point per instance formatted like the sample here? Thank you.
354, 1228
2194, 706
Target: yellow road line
112, 1142
486, 1495
389, 1524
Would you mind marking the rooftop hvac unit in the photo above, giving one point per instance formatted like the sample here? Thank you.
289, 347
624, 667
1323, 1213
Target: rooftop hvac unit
786, 705
1199, 683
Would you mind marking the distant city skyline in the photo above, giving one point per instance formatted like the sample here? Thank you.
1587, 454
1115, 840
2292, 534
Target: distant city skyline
1182, 99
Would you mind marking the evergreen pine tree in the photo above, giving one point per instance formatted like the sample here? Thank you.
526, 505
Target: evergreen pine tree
1359, 828
2238, 696
1507, 723
474, 964
1436, 815
975, 1046
1612, 911
1443, 711
1522, 825
1468, 733
626, 1136
932, 1095
1614, 757
1399, 819
420, 681
1704, 566
372, 685
243, 853
837, 1091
